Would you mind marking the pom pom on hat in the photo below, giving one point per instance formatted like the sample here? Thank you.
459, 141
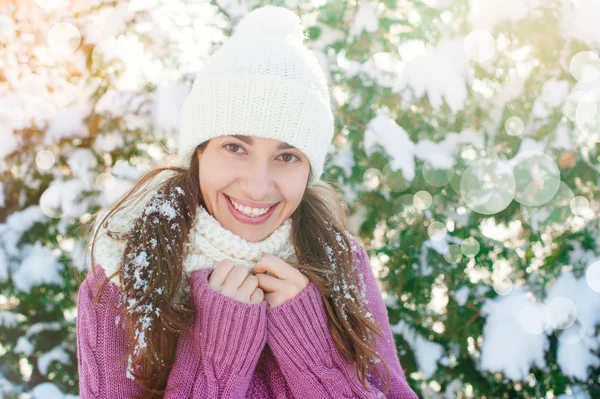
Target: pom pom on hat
271, 20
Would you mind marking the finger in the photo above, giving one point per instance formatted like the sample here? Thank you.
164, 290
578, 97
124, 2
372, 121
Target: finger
274, 265
248, 286
254, 272
269, 283
234, 280
220, 273
257, 296
272, 299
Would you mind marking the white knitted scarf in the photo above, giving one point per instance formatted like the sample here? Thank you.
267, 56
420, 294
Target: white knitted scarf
210, 243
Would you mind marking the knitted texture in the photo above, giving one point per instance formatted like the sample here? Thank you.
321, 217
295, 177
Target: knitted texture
239, 350
263, 82
213, 243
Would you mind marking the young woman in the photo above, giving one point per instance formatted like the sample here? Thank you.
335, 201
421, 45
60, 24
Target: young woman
232, 275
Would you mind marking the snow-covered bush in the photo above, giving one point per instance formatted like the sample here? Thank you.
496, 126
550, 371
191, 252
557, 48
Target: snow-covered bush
466, 147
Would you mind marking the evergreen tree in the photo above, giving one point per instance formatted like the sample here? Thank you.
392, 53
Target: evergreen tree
466, 147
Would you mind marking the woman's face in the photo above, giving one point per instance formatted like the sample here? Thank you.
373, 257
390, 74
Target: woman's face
254, 171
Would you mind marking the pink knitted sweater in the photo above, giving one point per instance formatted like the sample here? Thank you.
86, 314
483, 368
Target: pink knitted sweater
236, 349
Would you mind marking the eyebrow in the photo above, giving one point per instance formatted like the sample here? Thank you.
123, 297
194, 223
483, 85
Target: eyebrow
249, 140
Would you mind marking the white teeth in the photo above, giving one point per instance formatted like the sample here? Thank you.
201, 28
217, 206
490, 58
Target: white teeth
253, 212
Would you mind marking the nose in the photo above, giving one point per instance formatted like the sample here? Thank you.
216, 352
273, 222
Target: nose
257, 181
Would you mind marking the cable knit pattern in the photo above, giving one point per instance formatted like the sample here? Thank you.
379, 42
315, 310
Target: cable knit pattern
304, 348
211, 364
235, 349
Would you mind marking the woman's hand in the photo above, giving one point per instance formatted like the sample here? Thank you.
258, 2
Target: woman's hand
279, 280
235, 281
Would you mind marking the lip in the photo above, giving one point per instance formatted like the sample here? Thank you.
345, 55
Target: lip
252, 204
247, 219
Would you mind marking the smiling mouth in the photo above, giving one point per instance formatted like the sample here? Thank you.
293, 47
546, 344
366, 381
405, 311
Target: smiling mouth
267, 207
242, 217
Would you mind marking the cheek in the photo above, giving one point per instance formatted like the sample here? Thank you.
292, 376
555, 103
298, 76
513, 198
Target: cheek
293, 190
216, 172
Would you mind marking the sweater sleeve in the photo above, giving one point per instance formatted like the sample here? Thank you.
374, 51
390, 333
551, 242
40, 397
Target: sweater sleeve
215, 357
299, 337
222, 349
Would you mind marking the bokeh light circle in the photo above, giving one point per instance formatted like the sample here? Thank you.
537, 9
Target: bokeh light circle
372, 178
51, 202
555, 211
537, 178
406, 213
563, 312
585, 66
570, 105
487, 186
534, 318
503, 286
98, 55
514, 126
105, 181
580, 205
453, 254
587, 115
592, 276
422, 200
437, 170
64, 38
104, 54
466, 156
470, 247
436, 231
564, 195
45, 159
479, 45
573, 334
394, 179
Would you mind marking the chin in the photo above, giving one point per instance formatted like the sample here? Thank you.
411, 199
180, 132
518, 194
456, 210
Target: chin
253, 237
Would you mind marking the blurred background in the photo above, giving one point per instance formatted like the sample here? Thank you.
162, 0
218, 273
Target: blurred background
466, 147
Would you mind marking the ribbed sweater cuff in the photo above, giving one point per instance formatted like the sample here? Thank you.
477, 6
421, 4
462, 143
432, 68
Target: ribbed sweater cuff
298, 333
232, 334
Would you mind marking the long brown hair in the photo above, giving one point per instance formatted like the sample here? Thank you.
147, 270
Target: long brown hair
318, 235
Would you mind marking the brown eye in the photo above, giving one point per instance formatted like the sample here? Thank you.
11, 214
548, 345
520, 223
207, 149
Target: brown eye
290, 155
234, 145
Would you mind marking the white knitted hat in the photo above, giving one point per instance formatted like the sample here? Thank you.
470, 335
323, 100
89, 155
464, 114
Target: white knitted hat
263, 82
